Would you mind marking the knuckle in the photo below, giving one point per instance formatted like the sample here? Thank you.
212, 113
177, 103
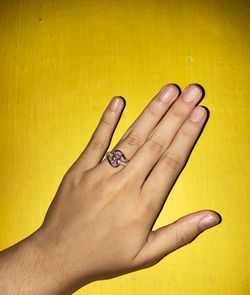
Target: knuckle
152, 111
155, 143
188, 132
70, 180
107, 121
171, 160
182, 236
133, 140
179, 113
96, 144
128, 131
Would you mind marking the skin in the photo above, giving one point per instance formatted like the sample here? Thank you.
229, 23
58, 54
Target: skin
99, 224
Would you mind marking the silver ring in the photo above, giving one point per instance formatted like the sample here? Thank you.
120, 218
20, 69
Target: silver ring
116, 158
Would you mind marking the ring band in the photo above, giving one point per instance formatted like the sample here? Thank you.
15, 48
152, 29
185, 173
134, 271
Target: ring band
116, 158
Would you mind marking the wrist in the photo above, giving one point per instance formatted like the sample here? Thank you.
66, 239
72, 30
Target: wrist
59, 262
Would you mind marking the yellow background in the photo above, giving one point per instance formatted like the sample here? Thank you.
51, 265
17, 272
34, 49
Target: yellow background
60, 64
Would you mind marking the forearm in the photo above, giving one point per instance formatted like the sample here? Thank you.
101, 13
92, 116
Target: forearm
30, 268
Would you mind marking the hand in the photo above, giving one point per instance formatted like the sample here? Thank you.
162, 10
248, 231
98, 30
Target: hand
99, 224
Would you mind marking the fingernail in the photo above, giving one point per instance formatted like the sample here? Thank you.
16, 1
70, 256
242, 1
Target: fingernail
115, 104
197, 114
167, 93
190, 93
209, 221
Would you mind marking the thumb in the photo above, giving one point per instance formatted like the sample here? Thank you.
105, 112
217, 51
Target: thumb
175, 235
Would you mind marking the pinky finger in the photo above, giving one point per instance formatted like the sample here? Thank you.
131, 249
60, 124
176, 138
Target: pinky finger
101, 138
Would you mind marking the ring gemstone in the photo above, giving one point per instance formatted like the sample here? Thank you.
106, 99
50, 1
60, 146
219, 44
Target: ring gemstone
116, 158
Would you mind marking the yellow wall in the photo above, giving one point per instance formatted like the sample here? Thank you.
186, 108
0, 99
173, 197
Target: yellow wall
62, 61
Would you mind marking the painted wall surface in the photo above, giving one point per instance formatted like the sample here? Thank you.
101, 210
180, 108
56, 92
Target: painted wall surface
62, 61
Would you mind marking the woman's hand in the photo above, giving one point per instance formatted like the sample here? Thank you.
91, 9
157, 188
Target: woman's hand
99, 224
